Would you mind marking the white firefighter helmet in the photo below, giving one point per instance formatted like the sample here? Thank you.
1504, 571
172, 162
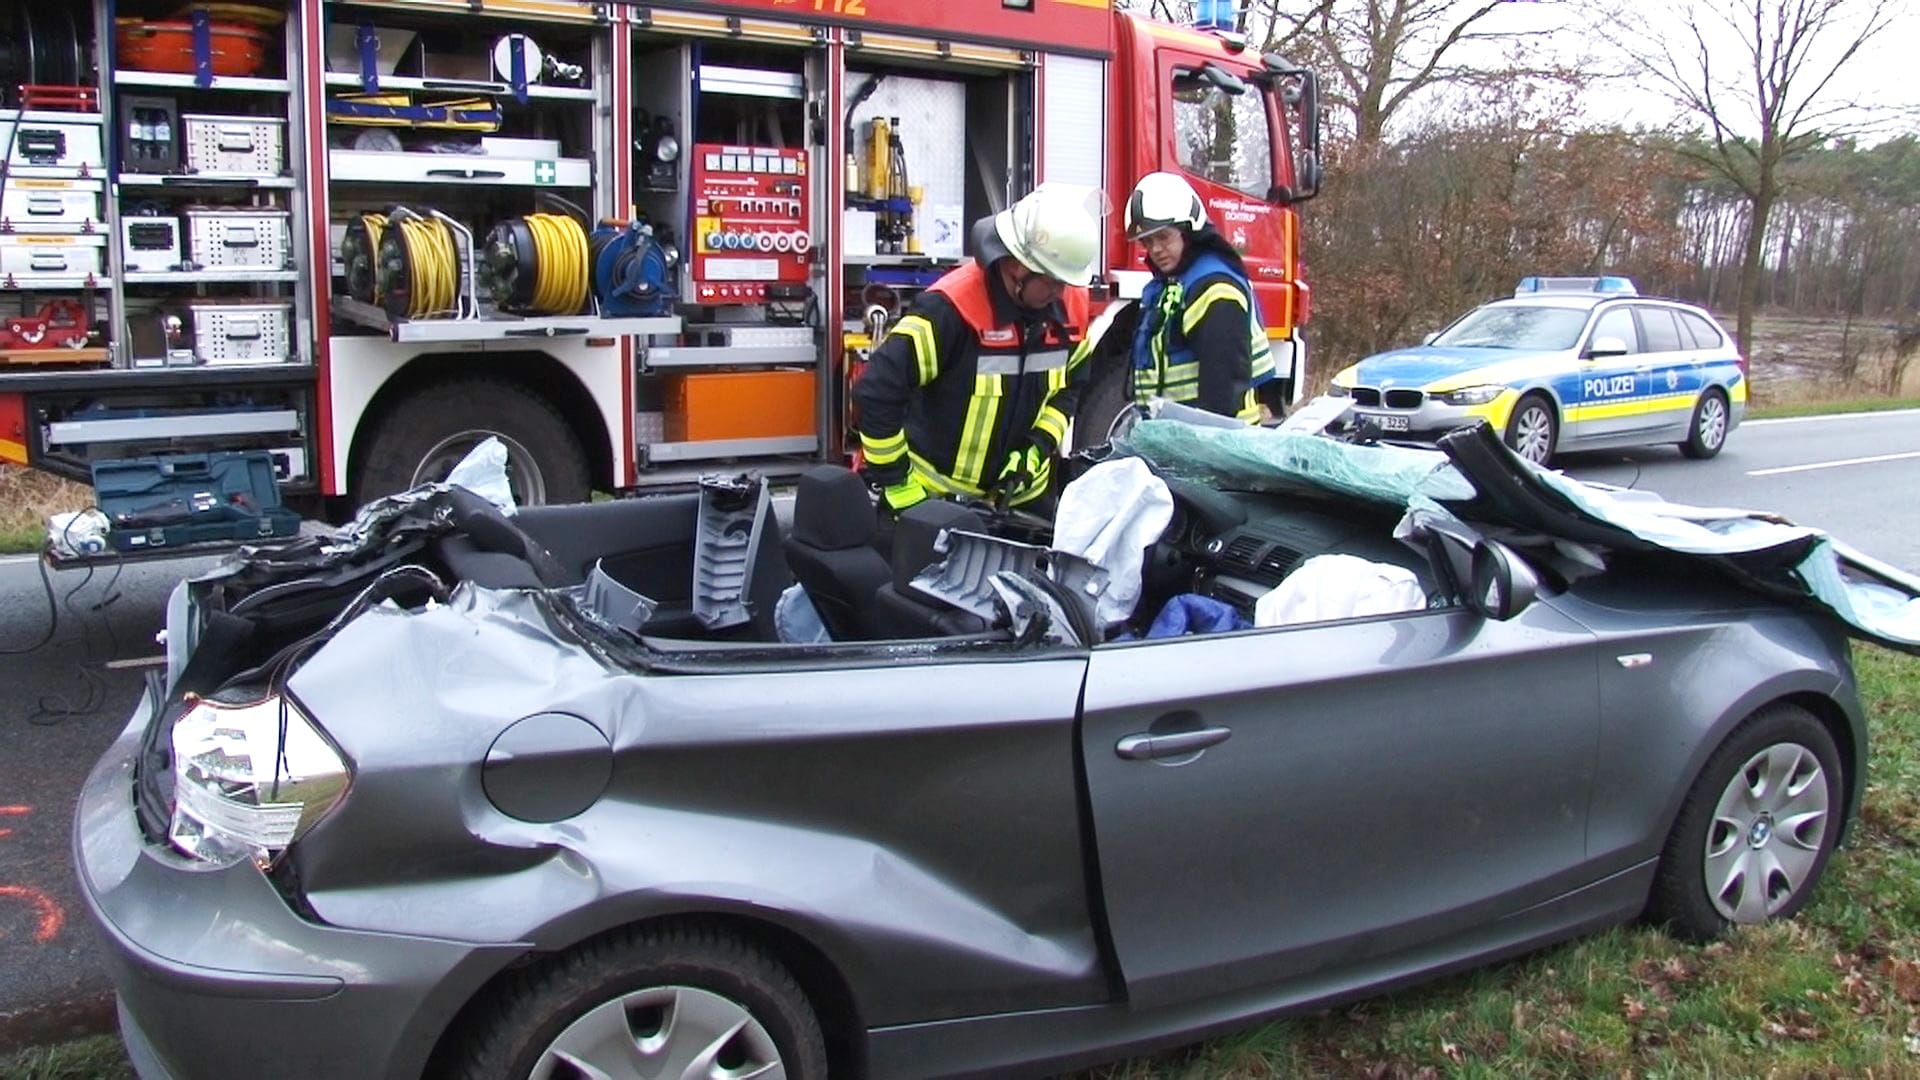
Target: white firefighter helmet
1054, 230
1162, 200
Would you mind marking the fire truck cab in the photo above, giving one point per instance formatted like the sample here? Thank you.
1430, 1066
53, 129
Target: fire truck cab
636, 241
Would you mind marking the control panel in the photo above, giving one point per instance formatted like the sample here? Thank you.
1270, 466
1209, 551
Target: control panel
750, 222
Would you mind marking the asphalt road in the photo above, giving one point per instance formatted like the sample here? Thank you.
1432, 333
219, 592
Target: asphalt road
1856, 476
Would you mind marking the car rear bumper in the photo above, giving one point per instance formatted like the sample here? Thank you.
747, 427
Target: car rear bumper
212, 967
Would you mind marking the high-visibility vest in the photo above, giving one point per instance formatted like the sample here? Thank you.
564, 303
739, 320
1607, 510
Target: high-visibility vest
1001, 357
1164, 362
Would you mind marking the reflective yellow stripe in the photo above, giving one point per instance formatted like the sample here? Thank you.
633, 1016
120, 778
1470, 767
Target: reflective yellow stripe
926, 353
934, 480
13, 451
884, 450
970, 460
1187, 372
1249, 409
1053, 422
1643, 407
1218, 291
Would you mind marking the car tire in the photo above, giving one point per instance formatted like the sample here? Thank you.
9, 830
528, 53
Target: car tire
1767, 806
649, 1000
1708, 431
425, 435
1533, 432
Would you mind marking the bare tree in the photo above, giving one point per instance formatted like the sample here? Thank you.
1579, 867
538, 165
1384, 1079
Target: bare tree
1381, 53
1759, 75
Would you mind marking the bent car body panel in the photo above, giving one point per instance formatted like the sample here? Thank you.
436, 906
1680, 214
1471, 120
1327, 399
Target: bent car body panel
210, 960
958, 850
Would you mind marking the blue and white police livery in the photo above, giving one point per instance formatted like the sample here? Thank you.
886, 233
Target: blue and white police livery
1566, 364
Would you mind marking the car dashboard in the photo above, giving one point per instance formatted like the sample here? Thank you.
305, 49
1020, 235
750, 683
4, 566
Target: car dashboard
1237, 546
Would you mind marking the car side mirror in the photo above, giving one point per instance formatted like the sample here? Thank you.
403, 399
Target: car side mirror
1502, 584
1606, 346
1428, 340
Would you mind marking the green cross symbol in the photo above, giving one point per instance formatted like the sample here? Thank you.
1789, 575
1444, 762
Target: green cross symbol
544, 172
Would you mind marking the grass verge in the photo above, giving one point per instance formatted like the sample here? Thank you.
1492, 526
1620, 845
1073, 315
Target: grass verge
1823, 408
97, 1058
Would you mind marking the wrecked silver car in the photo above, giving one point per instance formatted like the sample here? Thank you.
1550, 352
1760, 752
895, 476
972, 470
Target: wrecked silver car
567, 794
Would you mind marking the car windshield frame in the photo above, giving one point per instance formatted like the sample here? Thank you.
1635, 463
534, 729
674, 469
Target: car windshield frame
1517, 327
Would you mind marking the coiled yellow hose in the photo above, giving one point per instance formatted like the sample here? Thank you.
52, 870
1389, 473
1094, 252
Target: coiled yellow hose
434, 260
560, 247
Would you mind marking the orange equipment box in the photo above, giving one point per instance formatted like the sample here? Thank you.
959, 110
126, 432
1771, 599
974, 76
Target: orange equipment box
764, 404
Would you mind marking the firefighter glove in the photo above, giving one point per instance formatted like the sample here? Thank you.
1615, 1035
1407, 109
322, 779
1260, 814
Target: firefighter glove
1022, 466
902, 495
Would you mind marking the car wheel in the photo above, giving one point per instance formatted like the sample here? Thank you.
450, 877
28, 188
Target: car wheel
1709, 430
1756, 829
423, 437
1533, 431
661, 1002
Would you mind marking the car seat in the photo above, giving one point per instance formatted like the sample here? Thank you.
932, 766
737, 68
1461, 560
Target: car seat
899, 609
830, 548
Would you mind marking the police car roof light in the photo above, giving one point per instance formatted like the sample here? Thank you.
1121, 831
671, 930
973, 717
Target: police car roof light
1612, 285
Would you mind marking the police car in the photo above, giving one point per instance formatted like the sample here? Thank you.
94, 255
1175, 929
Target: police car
1566, 364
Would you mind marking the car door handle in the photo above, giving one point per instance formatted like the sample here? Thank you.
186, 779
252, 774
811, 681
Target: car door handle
1146, 747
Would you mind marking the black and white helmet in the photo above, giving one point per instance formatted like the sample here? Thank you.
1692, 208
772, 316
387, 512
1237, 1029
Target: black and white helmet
1161, 200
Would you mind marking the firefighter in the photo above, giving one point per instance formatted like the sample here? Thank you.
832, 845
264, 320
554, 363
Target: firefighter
970, 393
1200, 340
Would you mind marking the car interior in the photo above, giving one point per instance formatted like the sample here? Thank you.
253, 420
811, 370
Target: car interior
714, 563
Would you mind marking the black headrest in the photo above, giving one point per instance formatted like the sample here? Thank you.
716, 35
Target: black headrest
831, 509
919, 527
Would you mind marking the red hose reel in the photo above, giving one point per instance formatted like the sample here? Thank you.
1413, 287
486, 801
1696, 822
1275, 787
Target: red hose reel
59, 324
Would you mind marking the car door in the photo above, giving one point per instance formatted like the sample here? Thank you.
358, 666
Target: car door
1670, 376
1604, 390
1334, 793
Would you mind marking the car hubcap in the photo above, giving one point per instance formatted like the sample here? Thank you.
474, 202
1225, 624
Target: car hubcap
1533, 435
523, 471
1713, 422
1767, 833
663, 1033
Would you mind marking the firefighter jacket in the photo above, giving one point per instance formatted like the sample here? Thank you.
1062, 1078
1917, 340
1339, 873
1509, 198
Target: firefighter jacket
966, 378
1201, 339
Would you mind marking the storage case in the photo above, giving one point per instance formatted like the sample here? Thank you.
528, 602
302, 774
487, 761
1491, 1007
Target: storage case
180, 499
241, 333
235, 145
31, 255
51, 142
59, 206
150, 244
714, 405
229, 239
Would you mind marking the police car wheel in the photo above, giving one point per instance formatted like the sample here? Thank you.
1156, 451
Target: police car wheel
1708, 432
1756, 829
1533, 431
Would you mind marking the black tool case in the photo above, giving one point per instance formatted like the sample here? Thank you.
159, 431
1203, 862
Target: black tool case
184, 499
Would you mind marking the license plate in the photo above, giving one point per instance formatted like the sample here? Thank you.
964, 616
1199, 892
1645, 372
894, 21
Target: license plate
1388, 421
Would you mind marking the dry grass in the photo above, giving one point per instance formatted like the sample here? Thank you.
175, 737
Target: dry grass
27, 496
1803, 361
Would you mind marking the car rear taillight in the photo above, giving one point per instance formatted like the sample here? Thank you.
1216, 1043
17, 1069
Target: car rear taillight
249, 779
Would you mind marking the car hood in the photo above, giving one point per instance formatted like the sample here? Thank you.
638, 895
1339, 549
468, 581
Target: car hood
1572, 526
1425, 365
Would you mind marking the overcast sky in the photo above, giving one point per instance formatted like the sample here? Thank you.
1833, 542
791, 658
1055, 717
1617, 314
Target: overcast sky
1880, 75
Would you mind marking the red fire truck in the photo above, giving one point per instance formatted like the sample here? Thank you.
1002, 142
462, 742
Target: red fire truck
636, 241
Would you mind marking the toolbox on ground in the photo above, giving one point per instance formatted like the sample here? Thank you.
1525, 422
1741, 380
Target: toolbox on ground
181, 499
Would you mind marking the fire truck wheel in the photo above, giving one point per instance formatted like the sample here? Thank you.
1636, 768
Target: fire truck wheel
422, 438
